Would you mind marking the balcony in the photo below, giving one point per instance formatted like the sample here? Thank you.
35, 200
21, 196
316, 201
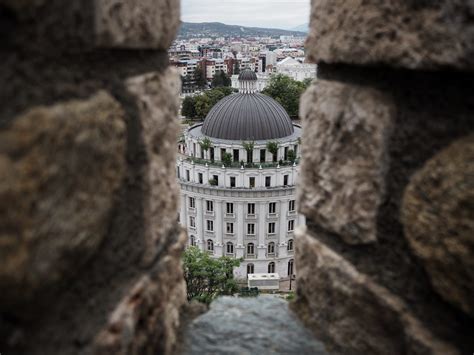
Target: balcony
251, 216
273, 216
209, 213
229, 215
250, 256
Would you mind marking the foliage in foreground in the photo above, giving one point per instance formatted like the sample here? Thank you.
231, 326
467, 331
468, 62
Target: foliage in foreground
197, 107
207, 277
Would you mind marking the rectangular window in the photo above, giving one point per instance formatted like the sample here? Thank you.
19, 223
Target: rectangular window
194, 149
210, 226
209, 206
285, 156
230, 208
216, 179
251, 182
200, 178
291, 206
232, 181
192, 222
222, 153
272, 207
251, 209
268, 181
291, 225
177, 173
295, 149
236, 155
202, 153
230, 228
271, 228
188, 175
263, 153
285, 180
192, 202
251, 228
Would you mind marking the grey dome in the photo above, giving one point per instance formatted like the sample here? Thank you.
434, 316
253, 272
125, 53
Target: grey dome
247, 74
247, 117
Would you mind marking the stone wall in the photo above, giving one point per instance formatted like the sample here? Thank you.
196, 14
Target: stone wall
89, 245
386, 263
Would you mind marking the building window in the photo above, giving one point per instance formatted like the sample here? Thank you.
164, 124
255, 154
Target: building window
271, 228
285, 154
291, 225
271, 268
230, 248
290, 245
222, 153
211, 153
290, 267
230, 228
251, 208
210, 226
192, 240
271, 248
177, 173
209, 206
192, 202
210, 245
251, 228
232, 181
236, 155
295, 149
200, 178
285, 180
188, 175
215, 179
263, 153
272, 207
194, 149
250, 249
250, 269
192, 222
268, 181
250, 156
229, 208
251, 182
291, 206
202, 153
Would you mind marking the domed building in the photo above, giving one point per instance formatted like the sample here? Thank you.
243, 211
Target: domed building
237, 172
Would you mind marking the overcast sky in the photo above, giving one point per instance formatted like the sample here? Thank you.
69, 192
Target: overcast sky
258, 13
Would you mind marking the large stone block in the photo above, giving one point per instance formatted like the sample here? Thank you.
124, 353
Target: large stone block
157, 98
137, 23
351, 313
438, 218
400, 33
147, 319
60, 167
344, 148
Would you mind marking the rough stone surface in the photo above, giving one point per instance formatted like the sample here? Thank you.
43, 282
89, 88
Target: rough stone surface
137, 23
352, 314
60, 167
157, 96
438, 217
146, 320
262, 325
344, 145
410, 34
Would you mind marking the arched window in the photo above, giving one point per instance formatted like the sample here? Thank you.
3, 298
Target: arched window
271, 268
290, 267
290, 245
230, 248
210, 245
250, 269
250, 249
192, 239
271, 248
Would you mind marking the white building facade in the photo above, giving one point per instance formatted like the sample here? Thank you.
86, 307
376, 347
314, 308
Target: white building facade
237, 172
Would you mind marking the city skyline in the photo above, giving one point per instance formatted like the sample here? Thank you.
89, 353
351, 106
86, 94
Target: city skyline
263, 13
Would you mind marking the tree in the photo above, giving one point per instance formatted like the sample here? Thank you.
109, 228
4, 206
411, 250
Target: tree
287, 92
200, 78
273, 149
249, 146
291, 156
189, 107
207, 277
227, 159
221, 80
205, 144
203, 105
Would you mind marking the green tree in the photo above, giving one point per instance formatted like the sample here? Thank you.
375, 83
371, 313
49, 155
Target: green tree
287, 92
291, 156
249, 147
189, 107
200, 78
221, 80
227, 159
203, 105
205, 144
273, 149
207, 277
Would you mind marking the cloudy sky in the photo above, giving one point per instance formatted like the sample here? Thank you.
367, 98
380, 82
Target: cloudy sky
258, 13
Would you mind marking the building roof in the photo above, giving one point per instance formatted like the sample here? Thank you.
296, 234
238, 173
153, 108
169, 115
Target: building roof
247, 117
247, 74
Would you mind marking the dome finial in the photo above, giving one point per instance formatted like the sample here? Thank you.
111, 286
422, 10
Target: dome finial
247, 81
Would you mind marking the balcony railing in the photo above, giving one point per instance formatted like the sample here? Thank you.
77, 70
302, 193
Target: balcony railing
218, 163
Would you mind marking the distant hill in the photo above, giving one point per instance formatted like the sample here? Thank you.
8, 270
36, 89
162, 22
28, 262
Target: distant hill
302, 28
217, 29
